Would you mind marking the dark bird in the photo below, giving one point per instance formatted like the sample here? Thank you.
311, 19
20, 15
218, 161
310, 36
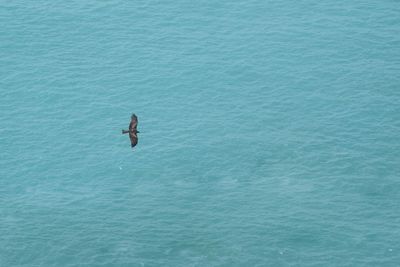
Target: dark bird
132, 130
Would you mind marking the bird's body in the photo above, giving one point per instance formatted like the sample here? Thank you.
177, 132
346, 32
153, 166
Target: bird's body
132, 130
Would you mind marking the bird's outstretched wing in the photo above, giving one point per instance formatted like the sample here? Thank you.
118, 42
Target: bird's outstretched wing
133, 124
134, 139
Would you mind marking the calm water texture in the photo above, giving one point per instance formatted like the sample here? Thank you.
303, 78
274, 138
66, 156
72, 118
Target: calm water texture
270, 133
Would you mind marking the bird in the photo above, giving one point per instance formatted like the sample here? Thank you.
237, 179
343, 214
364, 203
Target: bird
132, 130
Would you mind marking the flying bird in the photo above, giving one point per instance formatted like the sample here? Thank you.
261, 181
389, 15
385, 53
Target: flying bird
132, 130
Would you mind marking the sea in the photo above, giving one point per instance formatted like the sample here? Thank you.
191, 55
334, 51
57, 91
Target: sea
269, 133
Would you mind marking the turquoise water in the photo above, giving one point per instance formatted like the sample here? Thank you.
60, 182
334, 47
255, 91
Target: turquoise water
269, 133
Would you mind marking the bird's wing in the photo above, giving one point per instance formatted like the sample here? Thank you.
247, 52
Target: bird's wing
134, 139
133, 124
